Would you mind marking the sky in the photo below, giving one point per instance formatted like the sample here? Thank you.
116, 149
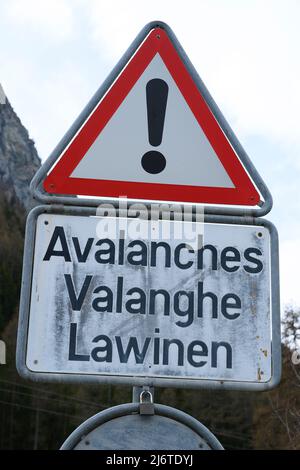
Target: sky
54, 54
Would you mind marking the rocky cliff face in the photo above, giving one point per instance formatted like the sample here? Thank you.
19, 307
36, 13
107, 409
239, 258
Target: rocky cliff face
18, 158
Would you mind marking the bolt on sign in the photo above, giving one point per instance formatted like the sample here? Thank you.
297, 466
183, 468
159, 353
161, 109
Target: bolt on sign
149, 304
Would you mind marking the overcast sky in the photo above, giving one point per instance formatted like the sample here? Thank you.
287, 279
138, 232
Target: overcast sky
54, 54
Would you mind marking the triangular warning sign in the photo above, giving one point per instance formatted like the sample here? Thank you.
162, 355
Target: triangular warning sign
153, 137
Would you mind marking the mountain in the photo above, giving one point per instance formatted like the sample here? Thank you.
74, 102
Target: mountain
19, 160
18, 163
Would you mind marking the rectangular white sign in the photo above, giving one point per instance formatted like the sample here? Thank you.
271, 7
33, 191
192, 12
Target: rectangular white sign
138, 300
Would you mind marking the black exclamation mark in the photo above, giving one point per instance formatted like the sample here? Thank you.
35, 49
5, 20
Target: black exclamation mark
157, 96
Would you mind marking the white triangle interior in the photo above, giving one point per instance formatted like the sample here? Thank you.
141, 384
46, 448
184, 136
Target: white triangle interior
117, 152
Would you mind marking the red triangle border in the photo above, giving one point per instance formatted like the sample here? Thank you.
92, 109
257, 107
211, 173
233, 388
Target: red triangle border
59, 181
